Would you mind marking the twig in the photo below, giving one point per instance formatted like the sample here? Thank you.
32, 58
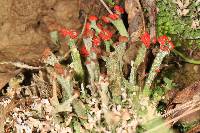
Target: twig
107, 8
20, 65
186, 59
84, 26
185, 105
174, 119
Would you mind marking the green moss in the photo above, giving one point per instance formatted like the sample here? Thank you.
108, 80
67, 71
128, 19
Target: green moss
176, 26
110, 2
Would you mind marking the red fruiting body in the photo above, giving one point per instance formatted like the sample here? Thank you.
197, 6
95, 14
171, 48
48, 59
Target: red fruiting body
64, 32
165, 43
93, 18
105, 35
105, 19
87, 26
119, 9
164, 48
154, 40
96, 41
73, 34
171, 45
84, 52
163, 39
167, 47
100, 26
113, 16
157, 70
145, 38
88, 33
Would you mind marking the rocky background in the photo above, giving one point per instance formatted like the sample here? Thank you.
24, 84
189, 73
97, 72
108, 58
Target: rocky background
25, 27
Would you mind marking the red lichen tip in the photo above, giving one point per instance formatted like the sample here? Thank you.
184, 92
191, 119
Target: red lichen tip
93, 18
84, 51
145, 39
105, 35
119, 9
64, 32
167, 47
96, 41
100, 26
88, 33
113, 16
154, 40
73, 34
87, 26
105, 19
165, 43
163, 39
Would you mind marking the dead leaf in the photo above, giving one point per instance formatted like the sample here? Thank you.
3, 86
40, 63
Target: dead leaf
135, 18
179, 3
183, 12
136, 29
182, 4
184, 96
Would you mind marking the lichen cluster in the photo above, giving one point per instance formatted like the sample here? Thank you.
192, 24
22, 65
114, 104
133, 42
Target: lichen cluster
78, 96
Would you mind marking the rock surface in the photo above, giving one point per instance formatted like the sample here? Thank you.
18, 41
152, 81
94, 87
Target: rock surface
24, 33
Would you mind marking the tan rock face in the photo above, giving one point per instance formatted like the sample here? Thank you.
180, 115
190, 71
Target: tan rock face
24, 34
69, 8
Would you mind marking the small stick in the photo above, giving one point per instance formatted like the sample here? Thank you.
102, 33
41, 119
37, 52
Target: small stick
107, 8
20, 65
174, 119
181, 107
84, 26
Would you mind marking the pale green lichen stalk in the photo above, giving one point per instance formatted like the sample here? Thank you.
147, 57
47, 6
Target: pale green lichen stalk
66, 84
92, 64
135, 64
120, 27
114, 65
154, 70
76, 64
